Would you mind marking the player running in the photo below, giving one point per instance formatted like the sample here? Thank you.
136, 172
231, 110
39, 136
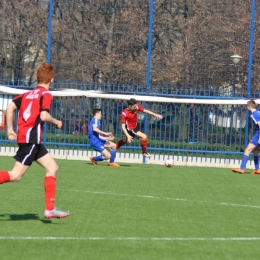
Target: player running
34, 108
129, 125
255, 141
99, 143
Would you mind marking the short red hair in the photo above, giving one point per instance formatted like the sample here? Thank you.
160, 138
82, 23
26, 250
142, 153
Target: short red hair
45, 73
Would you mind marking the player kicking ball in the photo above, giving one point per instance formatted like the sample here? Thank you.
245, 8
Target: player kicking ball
100, 143
34, 107
129, 125
255, 141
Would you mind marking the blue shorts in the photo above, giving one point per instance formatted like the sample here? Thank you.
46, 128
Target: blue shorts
99, 145
255, 139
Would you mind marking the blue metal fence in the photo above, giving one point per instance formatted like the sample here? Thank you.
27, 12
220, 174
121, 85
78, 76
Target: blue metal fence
165, 48
181, 92
211, 131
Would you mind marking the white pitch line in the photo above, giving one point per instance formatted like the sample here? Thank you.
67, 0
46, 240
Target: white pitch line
137, 238
164, 198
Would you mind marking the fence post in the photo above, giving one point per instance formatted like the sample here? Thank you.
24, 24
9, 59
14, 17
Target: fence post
49, 32
250, 62
48, 56
149, 58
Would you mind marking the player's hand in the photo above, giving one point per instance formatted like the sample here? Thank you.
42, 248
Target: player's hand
108, 133
12, 135
129, 138
159, 116
58, 124
111, 138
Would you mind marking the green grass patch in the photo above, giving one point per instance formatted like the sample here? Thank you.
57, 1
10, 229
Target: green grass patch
132, 212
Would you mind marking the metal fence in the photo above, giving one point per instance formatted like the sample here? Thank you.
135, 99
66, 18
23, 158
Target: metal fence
176, 48
191, 130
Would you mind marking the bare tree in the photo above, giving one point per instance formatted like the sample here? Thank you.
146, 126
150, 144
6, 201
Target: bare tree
23, 38
106, 41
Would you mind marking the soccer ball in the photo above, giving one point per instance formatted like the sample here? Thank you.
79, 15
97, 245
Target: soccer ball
168, 162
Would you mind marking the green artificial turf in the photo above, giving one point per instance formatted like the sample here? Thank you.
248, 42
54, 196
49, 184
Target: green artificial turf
132, 212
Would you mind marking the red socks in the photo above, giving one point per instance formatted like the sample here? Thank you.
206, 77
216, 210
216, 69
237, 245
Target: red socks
4, 177
143, 144
50, 190
49, 186
120, 143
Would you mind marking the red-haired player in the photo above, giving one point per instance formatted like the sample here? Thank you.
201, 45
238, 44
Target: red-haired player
34, 107
129, 125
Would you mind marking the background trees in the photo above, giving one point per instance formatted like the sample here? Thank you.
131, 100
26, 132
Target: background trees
105, 41
22, 38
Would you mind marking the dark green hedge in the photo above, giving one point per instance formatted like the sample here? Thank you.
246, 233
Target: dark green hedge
65, 141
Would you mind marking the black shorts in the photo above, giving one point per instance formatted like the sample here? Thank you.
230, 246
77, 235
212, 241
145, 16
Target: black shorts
27, 153
132, 132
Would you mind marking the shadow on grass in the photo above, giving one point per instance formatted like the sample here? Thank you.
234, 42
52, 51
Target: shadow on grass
22, 217
105, 165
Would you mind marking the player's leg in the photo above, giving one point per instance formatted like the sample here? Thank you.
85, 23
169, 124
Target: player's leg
121, 142
18, 171
112, 147
15, 174
48, 163
99, 147
106, 154
251, 146
24, 158
124, 140
256, 161
143, 143
4, 176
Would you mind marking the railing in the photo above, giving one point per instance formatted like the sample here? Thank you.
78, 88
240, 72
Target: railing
180, 92
213, 131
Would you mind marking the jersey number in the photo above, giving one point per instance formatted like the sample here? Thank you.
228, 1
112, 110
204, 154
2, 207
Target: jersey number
27, 112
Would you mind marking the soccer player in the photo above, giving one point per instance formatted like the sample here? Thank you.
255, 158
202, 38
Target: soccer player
34, 107
129, 125
99, 143
255, 141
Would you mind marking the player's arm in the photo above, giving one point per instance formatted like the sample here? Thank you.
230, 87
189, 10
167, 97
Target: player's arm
45, 110
129, 137
9, 120
259, 133
96, 129
123, 121
46, 117
108, 138
158, 116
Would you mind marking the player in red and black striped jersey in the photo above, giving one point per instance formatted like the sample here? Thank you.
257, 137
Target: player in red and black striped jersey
34, 107
129, 125
30, 106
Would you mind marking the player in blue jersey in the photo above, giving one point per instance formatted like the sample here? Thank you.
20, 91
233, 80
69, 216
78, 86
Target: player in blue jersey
100, 143
255, 141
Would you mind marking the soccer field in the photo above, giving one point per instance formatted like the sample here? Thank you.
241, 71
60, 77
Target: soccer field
132, 212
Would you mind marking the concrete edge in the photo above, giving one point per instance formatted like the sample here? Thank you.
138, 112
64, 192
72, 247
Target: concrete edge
137, 158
